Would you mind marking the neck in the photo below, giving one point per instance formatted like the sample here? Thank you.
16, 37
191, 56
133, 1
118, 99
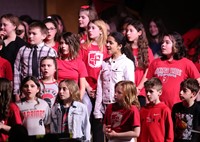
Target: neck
188, 103
50, 42
134, 45
48, 79
67, 102
116, 55
11, 37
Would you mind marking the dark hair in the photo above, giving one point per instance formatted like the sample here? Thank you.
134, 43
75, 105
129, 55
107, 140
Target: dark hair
5, 97
161, 29
36, 81
191, 84
58, 18
26, 18
178, 47
54, 61
120, 39
40, 25
48, 20
143, 58
153, 82
19, 32
74, 44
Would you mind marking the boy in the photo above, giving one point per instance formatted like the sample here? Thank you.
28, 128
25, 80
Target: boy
156, 121
186, 114
28, 57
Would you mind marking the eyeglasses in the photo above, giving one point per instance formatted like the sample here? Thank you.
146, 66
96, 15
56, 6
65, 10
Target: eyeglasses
19, 32
51, 29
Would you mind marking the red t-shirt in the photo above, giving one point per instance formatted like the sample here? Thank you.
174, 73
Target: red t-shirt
93, 59
121, 119
172, 73
13, 118
5, 69
56, 47
139, 72
156, 124
73, 69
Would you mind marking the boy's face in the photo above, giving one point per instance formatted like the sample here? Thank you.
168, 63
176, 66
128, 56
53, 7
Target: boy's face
153, 95
186, 94
36, 36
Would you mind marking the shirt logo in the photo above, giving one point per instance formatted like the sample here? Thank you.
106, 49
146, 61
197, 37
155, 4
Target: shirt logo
95, 59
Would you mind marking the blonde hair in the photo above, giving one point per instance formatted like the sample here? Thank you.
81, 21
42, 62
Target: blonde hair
129, 93
103, 37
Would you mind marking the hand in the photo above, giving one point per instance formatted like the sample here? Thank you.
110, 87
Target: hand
91, 92
110, 134
2, 34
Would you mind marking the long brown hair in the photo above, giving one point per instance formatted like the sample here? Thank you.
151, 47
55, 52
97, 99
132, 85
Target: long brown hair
5, 97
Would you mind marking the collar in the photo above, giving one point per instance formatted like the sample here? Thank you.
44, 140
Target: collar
119, 58
40, 45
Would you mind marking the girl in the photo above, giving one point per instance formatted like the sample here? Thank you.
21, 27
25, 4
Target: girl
48, 82
9, 112
138, 44
21, 31
53, 35
156, 30
93, 52
69, 65
35, 112
114, 69
86, 14
12, 42
69, 115
172, 68
122, 119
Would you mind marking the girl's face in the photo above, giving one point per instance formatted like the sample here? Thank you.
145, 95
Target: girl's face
132, 34
118, 93
30, 89
166, 46
64, 47
83, 19
112, 46
21, 30
51, 31
48, 68
63, 93
93, 31
153, 29
7, 26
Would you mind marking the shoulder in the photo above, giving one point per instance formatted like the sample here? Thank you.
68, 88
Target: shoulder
13, 106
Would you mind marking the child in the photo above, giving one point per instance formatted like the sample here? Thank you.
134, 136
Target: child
172, 68
156, 121
186, 114
69, 115
86, 14
122, 119
114, 69
138, 44
28, 57
48, 82
35, 112
9, 112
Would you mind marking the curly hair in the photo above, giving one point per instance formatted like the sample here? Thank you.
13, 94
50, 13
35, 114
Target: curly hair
143, 58
5, 97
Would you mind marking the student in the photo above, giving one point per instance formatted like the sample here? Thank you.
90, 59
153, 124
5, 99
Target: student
9, 112
35, 112
86, 14
21, 31
27, 62
12, 43
186, 114
172, 68
68, 114
53, 36
93, 52
114, 69
156, 121
138, 44
122, 119
48, 82
69, 65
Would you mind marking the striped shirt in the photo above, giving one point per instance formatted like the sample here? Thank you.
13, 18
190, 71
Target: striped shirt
23, 63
